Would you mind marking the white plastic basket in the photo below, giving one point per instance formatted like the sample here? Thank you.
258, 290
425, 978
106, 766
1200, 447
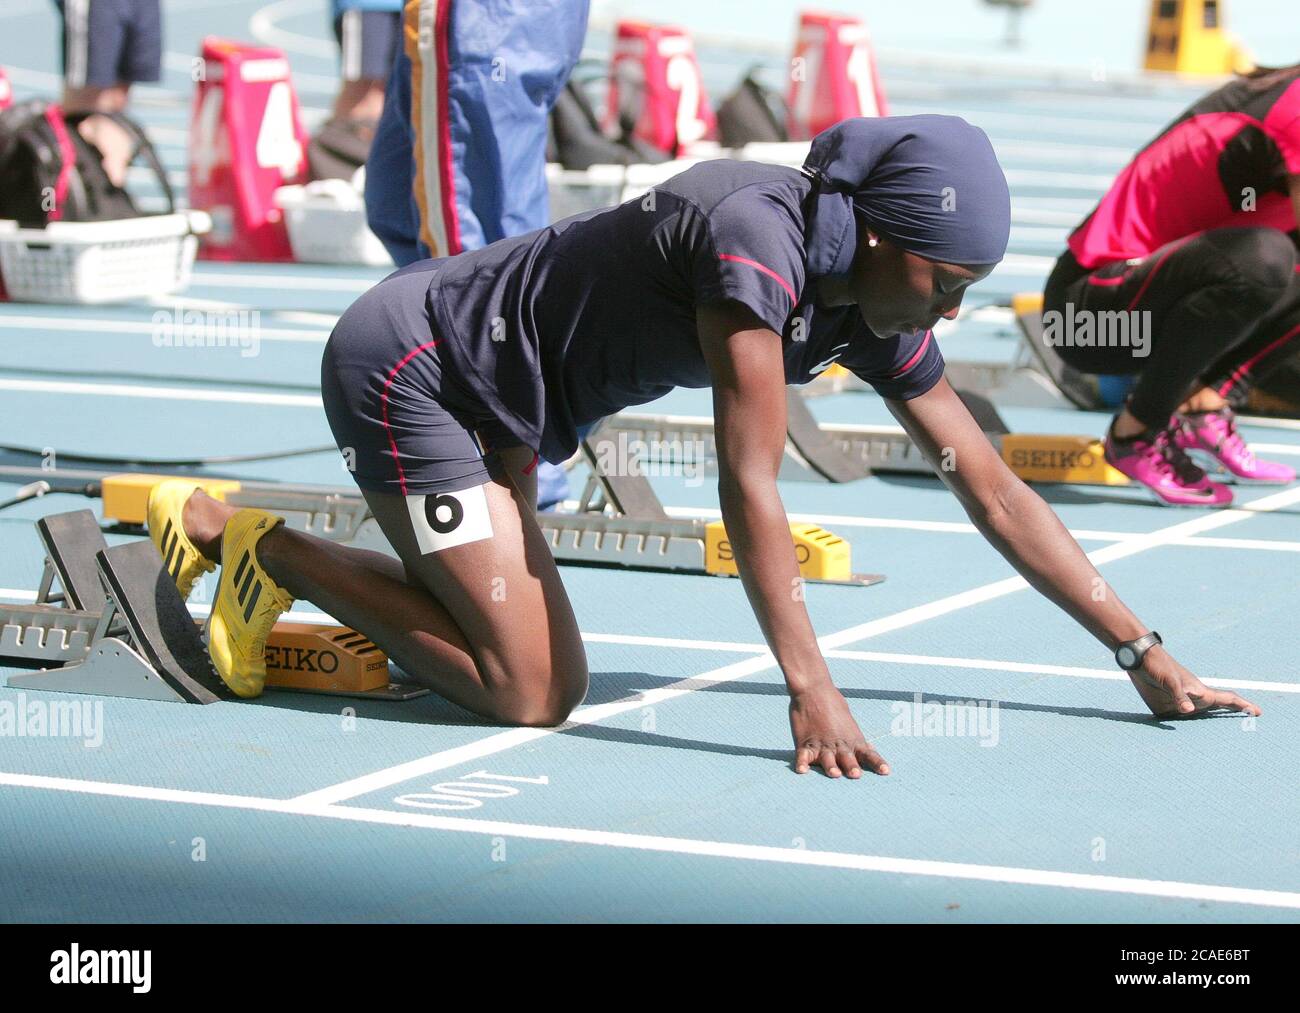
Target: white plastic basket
327, 224
100, 262
573, 191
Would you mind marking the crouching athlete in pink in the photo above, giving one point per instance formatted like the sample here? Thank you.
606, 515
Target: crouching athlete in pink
449, 378
1197, 239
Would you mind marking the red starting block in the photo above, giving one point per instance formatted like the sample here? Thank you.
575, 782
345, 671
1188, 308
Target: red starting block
6, 91
655, 84
833, 75
246, 141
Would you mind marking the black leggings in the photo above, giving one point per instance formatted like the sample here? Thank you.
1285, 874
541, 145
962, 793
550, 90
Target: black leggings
1224, 311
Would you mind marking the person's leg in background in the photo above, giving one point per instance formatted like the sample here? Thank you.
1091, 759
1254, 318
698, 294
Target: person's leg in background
368, 33
391, 209
108, 45
1208, 429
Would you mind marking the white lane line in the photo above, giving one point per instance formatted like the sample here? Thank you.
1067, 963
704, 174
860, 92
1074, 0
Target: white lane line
1055, 152
1136, 886
502, 741
1069, 671
1016, 262
1108, 554
1029, 216
1267, 423
200, 610
161, 393
282, 282
264, 27
932, 661
95, 328
1026, 234
833, 521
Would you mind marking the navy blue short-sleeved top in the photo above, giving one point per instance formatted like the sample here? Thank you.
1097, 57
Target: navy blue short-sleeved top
558, 328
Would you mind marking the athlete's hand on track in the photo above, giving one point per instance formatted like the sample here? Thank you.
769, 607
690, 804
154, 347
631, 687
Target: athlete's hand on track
826, 736
1171, 691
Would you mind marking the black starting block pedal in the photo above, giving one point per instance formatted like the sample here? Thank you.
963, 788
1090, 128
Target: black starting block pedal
71, 541
123, 631
110, 622
1079, 389
818, 449
160, 625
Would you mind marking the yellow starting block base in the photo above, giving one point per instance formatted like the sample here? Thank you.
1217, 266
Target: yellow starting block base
1078, 460
1190, 37
822, 555
323, 659
126, 497
333, 660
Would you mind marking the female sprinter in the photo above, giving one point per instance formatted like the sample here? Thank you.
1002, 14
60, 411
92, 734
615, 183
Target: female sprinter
445, 381
1198, 236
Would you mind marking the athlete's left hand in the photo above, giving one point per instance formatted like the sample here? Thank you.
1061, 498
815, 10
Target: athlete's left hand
1171, 691
826, 735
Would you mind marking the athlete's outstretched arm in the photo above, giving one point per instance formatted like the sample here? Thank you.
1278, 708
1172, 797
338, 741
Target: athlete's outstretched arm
1021, 526
745, 361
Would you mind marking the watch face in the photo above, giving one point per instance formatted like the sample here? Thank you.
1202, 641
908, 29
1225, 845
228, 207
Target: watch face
1127, 657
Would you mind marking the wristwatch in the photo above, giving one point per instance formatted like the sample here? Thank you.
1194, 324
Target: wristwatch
1129, 655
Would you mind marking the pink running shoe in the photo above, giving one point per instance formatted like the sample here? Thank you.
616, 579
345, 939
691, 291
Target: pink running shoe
1156, 461
1211, 439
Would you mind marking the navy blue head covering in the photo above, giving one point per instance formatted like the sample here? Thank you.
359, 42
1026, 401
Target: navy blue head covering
930, 184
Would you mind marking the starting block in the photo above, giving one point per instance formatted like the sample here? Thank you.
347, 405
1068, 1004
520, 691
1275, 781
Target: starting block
110, 622
833, 75
821, 555
656, 90
815, 452
619, 522
1189, 37
1074, 460
1080, 389
6, 91
246, 141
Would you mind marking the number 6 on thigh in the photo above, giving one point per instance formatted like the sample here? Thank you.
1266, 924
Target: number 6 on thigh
443, 520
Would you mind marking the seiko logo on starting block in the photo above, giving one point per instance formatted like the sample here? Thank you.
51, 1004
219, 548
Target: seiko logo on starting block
301, 659
323, 658
1070, 459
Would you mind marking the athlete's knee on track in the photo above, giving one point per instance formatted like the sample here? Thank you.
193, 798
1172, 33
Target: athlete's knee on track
540, 685
545, 703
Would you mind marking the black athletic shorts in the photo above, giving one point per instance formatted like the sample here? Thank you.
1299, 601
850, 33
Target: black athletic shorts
405, 423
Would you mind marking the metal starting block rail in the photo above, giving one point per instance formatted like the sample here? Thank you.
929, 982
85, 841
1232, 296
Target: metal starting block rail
620, 522
870, 449
110, 622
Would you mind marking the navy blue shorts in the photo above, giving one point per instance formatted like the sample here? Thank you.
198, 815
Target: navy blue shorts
108, 42
405, 423
368, 43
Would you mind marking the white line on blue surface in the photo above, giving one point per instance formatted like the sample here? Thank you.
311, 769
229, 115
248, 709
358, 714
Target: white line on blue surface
502, 741
1132, 885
